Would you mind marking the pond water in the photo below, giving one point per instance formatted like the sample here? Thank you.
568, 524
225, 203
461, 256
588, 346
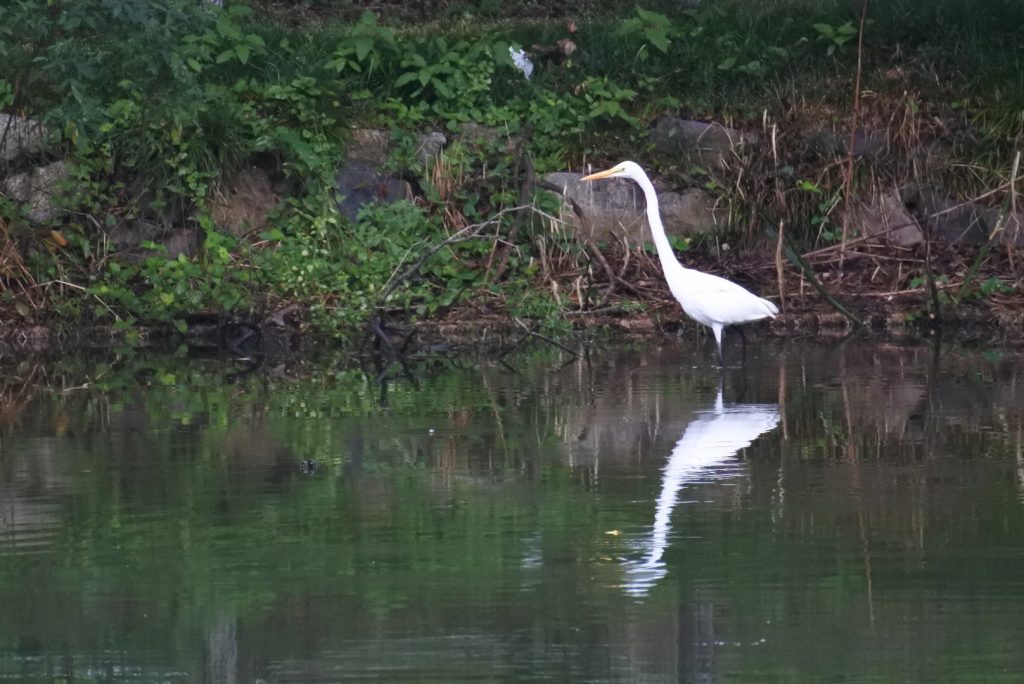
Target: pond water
828, 513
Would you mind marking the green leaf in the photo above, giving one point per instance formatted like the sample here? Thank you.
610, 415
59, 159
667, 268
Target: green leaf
227, 28
225, 56
196, 66
659, 39
405, 78
824, 29
363, 46
242, 50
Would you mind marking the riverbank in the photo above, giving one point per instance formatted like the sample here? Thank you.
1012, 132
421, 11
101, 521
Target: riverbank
188, 168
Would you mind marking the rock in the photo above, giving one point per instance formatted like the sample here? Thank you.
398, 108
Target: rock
360, 183
867, 144
185, 241
885, 215
701, 144
129, 236
132, 233
38, 189
369, 145
19, 136
477, 135
244, 203
967, 223
429, 146
617, 208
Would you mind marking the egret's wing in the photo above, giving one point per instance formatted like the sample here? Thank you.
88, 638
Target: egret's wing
717, 299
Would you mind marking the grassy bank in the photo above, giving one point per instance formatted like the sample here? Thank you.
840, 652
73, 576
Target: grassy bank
155, 106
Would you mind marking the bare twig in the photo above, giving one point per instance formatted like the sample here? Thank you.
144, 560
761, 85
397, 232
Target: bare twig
470, 232
853, 134
779, 273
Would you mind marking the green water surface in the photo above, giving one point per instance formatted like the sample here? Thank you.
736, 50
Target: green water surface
830, 513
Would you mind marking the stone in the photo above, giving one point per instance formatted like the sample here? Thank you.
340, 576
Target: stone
867, 144
244, 202
20, 136
128, 237
39, 189
478, 135
885, 215
968, 223
369, 145
360, 183
615, 208
130, 234
429, 146
700, 143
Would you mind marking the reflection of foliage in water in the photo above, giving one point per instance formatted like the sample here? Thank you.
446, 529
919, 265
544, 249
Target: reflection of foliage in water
179, 496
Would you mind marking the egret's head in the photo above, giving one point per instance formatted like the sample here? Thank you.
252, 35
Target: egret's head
626, 169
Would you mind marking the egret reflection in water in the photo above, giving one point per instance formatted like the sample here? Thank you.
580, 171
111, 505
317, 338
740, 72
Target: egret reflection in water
706, 452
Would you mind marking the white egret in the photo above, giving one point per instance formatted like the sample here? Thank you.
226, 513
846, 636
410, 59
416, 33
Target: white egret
707, 299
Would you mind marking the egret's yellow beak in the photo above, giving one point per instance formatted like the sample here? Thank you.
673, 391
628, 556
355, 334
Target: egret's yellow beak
600, 174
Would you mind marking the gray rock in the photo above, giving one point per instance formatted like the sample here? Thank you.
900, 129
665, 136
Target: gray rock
429, 146
701, 144
128, 237
867, 144
615, 208
20, 136
478, 135
132, 233
360, 183
967, 223
39, 189
369, 145
886, 215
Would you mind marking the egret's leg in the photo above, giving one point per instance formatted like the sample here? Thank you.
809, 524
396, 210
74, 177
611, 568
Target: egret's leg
717, 329
744, 338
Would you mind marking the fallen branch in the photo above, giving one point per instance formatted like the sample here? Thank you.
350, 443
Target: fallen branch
797, 261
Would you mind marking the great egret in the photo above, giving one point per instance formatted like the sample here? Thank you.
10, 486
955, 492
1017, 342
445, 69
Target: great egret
707, 299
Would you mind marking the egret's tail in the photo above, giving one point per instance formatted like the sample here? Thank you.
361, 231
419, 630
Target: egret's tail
770, 306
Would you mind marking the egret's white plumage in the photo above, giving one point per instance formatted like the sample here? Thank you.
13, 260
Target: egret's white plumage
707, 299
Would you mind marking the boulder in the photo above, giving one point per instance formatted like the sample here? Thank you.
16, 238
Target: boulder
885, 215
38, 189
615, 208
867, 144
478, 135
361, 183
128, 237
700, 143
968, 223
429, 146
369, 145
19, 136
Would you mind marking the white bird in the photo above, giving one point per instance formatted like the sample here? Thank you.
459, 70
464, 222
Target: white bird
707, 299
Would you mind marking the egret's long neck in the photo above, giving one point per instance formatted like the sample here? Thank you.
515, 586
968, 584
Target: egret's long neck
665, 253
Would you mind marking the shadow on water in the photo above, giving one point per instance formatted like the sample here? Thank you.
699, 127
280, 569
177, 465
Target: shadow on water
174, 519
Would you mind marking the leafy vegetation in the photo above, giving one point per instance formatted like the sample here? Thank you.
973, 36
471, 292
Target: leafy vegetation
155, 105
